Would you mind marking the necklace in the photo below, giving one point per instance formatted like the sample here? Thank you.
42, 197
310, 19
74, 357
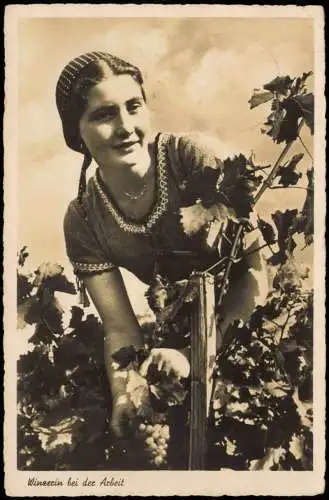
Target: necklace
136, 196
141, 193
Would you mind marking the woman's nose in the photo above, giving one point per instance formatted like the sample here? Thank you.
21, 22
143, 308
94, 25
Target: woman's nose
125, 125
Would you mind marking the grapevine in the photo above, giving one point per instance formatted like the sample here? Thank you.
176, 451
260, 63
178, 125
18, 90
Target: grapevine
261, 409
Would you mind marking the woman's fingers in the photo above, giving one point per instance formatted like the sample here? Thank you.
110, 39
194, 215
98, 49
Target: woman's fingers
145, 366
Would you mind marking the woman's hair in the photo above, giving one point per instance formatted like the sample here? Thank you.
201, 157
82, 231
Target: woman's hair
77, 79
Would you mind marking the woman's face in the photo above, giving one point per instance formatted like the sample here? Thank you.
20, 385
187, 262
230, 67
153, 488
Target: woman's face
115, 123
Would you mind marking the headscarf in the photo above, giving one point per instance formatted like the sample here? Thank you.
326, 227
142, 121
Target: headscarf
69, 116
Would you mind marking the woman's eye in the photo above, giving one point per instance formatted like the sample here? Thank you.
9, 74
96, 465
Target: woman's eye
134, 107
103, 114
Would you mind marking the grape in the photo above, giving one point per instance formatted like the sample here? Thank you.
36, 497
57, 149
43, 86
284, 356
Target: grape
158, 460
156, 441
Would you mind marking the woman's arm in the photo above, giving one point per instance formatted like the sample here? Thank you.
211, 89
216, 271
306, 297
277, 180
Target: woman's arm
108, 293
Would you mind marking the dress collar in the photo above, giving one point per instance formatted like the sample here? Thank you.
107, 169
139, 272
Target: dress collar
160, 205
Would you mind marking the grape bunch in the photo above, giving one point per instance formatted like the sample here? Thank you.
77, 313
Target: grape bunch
155, 438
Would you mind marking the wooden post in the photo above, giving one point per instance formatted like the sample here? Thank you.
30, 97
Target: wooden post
203, 352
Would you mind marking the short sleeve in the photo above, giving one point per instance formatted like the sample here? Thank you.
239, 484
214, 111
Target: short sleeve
82, 248
193, 157
197, 151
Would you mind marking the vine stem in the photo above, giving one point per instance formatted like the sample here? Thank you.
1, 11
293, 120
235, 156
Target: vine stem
270, 178
305, 147
291, 187
266, 184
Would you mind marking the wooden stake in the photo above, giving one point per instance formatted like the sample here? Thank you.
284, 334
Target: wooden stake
203, 352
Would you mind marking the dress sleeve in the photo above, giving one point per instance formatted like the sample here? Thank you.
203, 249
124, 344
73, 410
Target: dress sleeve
197, 151
82, 247
193, 157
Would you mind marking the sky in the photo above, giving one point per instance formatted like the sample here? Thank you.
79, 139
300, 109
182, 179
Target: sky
199, 74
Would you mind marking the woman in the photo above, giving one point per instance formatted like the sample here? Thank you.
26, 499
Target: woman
129, 213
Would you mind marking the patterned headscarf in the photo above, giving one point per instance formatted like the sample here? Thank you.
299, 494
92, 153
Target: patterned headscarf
69, 116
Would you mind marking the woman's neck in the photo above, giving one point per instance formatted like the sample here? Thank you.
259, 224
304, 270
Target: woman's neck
129, 178
132, 187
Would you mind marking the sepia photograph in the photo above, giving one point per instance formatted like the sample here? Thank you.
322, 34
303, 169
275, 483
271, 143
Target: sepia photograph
164, 264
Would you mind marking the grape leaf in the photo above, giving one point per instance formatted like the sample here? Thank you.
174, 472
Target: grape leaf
22, 256
259, 97
306, 104
47, 270
24, 316
205, 186
267, 231
272, 458
59, 283
24, 288
239, 183
159, 293
287, 174
76, 318
298, 86
284, 222
274, 121
305, 219
280, 84
54, 437
288, 276
52, 314
196, 217
289, 126
129, 354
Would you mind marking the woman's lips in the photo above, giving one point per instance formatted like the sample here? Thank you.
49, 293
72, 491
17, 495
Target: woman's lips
126, 146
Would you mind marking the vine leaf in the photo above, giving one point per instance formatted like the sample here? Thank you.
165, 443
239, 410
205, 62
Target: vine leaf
287, 174
306, 104
59, 283
289, 126
24, 287
267, 231
159, 293
55, 437
24, 315
280, 84
47, 270
305, 219
76, 317
240, 181
138, 391
195, 217
204, 186
272, 459
260, 97
288, 277
284, 222
274, 121
22, 256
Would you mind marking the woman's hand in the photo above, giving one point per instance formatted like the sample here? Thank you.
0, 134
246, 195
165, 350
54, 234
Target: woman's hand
123, 415
171, 361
